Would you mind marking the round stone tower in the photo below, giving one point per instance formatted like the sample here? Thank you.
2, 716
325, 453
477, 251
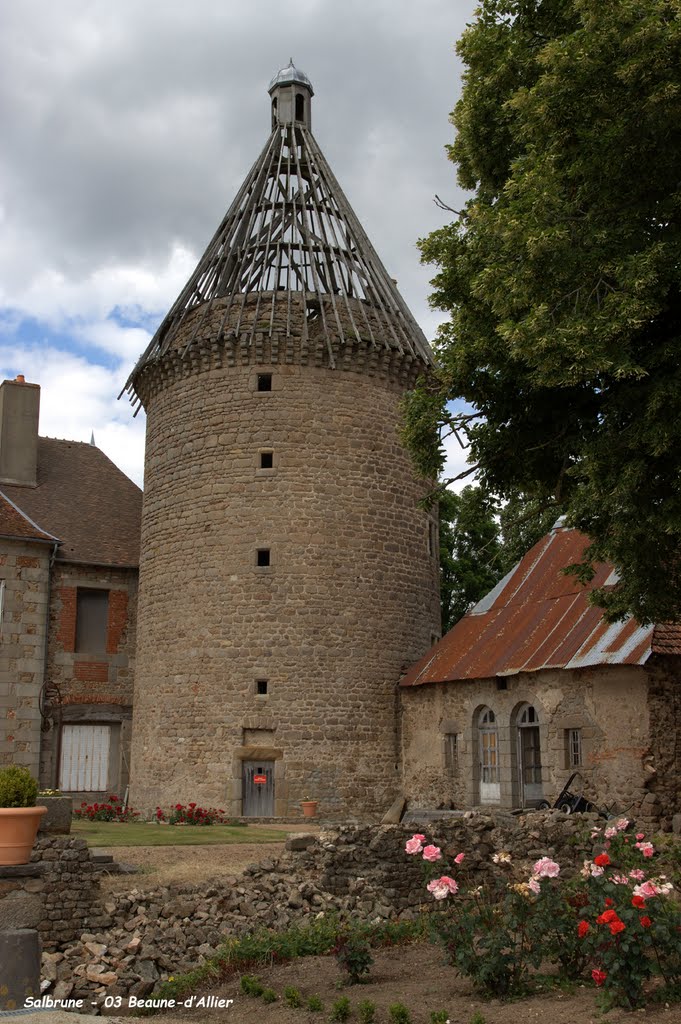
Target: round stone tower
288, 573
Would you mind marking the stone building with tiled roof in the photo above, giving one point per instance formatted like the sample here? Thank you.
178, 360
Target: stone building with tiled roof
69, 556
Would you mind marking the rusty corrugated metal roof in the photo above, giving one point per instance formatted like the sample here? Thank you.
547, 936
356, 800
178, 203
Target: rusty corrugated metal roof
537, 618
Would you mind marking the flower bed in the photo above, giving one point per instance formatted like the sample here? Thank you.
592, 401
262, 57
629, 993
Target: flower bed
111, 810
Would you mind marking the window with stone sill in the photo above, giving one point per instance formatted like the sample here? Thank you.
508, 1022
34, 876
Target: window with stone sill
92, 615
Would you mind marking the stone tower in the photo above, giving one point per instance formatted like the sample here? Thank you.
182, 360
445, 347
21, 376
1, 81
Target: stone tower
288, 574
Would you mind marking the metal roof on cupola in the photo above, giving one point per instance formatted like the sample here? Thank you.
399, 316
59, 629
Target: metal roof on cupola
289, 235
288, 75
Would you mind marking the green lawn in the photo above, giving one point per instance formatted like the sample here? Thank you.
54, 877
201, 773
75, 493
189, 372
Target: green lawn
144, 833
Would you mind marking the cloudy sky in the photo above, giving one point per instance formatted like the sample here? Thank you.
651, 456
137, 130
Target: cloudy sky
127, 130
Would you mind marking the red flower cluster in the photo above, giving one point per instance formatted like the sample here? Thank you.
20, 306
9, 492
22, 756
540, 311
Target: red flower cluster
192, 814
598, 976
112, 810
602, 860
583, 928
613, 922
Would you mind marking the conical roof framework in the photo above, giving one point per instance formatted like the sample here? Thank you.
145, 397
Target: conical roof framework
291, 230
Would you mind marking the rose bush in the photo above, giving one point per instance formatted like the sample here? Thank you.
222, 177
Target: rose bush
111, 810
613, 922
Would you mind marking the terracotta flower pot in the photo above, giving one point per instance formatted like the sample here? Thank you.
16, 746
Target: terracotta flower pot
309, 808
18, 829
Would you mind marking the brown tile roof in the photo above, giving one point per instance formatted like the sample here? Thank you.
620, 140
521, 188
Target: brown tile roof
86, 501
667, 638
13, 523
537, 618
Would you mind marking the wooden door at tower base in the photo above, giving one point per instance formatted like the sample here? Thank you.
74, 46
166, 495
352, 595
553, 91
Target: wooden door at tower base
258, 789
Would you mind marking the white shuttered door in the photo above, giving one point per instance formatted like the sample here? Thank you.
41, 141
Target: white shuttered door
85, 758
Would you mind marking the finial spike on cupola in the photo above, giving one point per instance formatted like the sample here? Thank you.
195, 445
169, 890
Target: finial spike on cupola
291, 91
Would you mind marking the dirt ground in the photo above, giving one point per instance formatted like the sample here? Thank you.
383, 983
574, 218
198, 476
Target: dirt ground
173, 865
413, 975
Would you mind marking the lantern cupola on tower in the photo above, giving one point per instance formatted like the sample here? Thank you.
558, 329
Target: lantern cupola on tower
291, 91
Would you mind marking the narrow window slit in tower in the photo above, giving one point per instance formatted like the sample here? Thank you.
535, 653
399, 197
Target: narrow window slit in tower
261, 687
264, 382
263, 556
266, 460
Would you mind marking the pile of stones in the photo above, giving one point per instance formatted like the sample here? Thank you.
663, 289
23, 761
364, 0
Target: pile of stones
357, 871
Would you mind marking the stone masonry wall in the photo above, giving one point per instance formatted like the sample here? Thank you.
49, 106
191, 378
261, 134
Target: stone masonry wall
24, 567
57, 893
662, 766
349, 600
609, 705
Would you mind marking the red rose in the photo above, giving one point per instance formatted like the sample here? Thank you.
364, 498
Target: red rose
638, 901
616, 926
582, 928
606, 917
598, 976
609, 902
602, 860
645, 922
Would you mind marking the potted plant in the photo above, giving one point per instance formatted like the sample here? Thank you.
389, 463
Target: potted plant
19, 816
309, 807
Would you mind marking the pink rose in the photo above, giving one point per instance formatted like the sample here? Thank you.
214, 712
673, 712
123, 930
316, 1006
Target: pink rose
413, 845
622, 824
432, 853
637, 875
535, 885
647, 849
546, 868
459, 857
640, 835
442, 887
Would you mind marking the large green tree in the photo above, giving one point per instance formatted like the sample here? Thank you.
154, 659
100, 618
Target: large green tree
471, 556
562, 276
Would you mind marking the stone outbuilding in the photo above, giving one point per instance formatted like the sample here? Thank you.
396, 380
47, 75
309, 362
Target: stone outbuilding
532, 685
69, 556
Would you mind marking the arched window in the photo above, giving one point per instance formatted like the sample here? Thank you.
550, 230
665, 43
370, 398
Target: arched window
300, 107
529, 755
488, 734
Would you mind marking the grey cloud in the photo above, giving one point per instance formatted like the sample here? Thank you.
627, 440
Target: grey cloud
129, 126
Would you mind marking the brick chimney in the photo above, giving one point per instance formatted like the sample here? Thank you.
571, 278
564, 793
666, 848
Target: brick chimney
19, 408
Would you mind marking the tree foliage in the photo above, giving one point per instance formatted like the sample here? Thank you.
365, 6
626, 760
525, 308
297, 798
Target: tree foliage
562, 278
471, 559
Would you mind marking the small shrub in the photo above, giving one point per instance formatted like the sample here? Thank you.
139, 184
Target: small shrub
340, 1011
269, 996
251, 986
18, 788
354, 956
477, 1018
315, 1005
367, 1012
192, 814
439, 1017
112, 810
292, 997
399, 1014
